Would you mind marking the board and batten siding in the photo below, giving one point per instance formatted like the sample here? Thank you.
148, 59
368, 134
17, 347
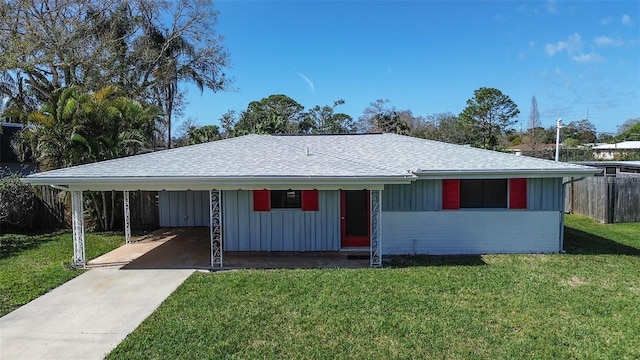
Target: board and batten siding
545, 194
248, 230
421, 195
183, 208
412, 221
426, 195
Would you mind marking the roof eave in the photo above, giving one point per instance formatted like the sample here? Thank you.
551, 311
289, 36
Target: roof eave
219, 183
499, 173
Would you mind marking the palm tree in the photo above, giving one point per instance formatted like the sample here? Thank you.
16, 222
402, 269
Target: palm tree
177, 60
75, 128
16, 97
125, 128
203, 134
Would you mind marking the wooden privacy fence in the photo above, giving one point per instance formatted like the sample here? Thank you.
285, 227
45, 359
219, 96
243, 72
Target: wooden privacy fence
143, 206
51, 210
606, 199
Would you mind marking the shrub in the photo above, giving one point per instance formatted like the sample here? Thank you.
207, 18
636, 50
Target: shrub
17, 202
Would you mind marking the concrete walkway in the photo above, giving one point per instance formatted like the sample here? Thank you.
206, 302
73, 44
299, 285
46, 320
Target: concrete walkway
88, 316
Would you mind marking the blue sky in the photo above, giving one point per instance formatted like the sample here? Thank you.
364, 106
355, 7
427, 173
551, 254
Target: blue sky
576, 58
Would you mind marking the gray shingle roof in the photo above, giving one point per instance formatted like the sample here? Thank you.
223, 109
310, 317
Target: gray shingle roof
322, 156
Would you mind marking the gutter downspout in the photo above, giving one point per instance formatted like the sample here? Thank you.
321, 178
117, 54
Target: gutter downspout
562, 224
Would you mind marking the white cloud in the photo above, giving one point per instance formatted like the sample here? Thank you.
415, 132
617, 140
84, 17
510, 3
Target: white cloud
626, 20
572, 44
551, 7
606, 21
587, 58
308, 81
607, 41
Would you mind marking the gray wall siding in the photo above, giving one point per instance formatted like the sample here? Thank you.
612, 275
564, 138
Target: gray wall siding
545, 194
184, 208
412, 221
470, 232
248, 230
426, 195
280, 230
421, 195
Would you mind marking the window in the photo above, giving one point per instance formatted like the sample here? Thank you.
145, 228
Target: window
483, 193
265, 200
286, 199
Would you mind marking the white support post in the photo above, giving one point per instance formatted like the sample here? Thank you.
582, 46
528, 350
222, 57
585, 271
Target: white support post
127, 218
215, 227
77, 210
375, 257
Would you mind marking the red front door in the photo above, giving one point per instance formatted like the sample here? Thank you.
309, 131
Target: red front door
354, 215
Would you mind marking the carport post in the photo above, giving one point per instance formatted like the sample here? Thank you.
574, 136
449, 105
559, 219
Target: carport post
127, 218
215, 227
77, 222
375, 257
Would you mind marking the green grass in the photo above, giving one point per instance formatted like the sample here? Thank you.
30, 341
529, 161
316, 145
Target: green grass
31, 265
584, 304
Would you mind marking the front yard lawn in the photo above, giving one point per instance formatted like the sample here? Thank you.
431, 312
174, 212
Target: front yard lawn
32, 265
583, 304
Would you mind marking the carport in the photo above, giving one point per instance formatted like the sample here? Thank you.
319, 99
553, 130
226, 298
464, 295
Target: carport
188, 248
235, 179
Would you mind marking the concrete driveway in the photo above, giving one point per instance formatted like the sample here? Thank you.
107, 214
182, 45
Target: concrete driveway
88, 316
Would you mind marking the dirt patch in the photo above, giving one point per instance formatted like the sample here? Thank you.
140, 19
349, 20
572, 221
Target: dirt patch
574, 281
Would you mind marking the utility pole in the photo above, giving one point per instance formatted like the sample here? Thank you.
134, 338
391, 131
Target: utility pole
558, 127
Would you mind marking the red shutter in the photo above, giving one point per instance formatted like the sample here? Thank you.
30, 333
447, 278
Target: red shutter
517, 193
261, 200
309, 200
450, 194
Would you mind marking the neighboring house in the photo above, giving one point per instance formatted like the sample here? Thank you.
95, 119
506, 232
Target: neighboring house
617, 150
540, 150
548, 151
9, 161
389, 193
614, 168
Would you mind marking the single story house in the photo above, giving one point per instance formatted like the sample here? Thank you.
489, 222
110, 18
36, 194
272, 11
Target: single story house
529, 150
614, 168
388, 193
611, 151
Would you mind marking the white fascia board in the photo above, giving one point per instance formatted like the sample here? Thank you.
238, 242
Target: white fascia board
220, 183
501, 174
